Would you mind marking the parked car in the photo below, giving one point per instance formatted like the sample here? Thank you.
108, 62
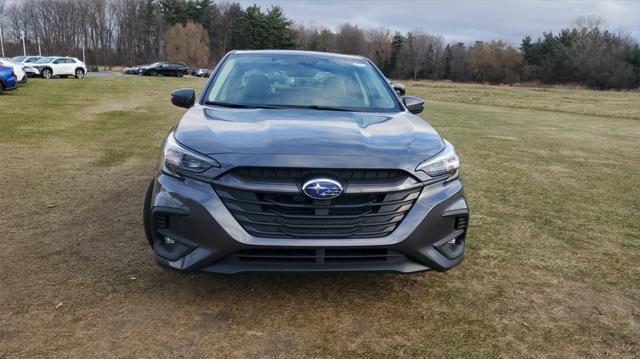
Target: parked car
26, 59
8, 79
17, 69
200, 72
134, 70
27, 62
399, 88
304, 161
60, 66
165, 69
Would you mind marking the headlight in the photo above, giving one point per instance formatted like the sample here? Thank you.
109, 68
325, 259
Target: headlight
445, 162
177, 160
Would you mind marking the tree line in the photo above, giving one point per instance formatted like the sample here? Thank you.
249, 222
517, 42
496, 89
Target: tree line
200, 32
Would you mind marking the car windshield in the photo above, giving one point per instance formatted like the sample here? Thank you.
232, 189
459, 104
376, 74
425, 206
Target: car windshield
18, 58
44, 60
301, 81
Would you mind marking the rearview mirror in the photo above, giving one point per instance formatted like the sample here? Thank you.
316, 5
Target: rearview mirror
414, 104
183, 97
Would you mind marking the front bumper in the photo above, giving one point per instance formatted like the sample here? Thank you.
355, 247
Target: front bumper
208, 238
31, 71
11, 85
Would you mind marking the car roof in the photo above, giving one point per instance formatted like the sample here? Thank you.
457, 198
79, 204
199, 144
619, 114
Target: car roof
298, 52
8, 60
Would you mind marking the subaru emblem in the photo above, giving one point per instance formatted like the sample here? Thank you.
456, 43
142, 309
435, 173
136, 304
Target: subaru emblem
322, 188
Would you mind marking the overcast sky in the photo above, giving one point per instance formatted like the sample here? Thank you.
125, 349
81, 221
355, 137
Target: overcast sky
462, 20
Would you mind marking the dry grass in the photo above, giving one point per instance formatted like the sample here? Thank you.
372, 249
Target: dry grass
553, 266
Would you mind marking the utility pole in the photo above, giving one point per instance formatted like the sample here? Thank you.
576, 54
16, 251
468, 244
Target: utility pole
39, 49
1, 39
24, 47
2, 4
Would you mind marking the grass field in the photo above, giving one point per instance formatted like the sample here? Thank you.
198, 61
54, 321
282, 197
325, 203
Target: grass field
552, 268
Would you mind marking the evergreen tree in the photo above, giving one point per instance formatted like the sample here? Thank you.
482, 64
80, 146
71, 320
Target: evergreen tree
174, 11
397, 42
280, 34
253, 28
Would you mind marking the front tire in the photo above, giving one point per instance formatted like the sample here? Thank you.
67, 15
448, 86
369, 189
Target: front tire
79, 73
146, 214
179, 74
47, 74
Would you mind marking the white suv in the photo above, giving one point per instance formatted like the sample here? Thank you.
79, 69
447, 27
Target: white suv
60, 66
17, 69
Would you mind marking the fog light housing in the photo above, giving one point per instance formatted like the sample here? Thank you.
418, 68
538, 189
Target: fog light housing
173, 247
451, 247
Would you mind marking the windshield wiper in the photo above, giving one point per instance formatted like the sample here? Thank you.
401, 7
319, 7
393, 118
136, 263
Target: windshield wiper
243, 105
239, 105
329, 108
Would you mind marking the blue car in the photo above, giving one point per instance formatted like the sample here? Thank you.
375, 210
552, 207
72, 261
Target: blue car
8, 80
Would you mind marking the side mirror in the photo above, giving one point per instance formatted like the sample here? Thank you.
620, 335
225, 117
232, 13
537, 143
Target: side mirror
183, 97
399, 88
414, 104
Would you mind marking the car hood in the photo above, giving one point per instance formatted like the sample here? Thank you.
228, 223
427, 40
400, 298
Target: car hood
218, 130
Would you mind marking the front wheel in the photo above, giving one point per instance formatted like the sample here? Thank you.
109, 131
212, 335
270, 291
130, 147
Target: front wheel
46, 73
79, 73
179, 74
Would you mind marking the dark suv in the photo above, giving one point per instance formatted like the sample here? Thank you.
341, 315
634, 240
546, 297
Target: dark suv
304, 161
178, 69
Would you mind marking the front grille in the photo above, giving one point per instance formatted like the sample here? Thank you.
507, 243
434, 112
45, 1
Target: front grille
271, 174
294, 215
314, 256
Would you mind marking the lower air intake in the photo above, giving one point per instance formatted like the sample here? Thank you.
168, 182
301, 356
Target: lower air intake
317, 256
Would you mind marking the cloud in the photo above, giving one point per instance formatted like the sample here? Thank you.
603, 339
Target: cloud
463, 20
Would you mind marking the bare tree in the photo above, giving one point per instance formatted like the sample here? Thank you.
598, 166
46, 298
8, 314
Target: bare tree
413, 55
351, 40
98, 29
379, 47
315, 38
188, 43
495, 62
226, 31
